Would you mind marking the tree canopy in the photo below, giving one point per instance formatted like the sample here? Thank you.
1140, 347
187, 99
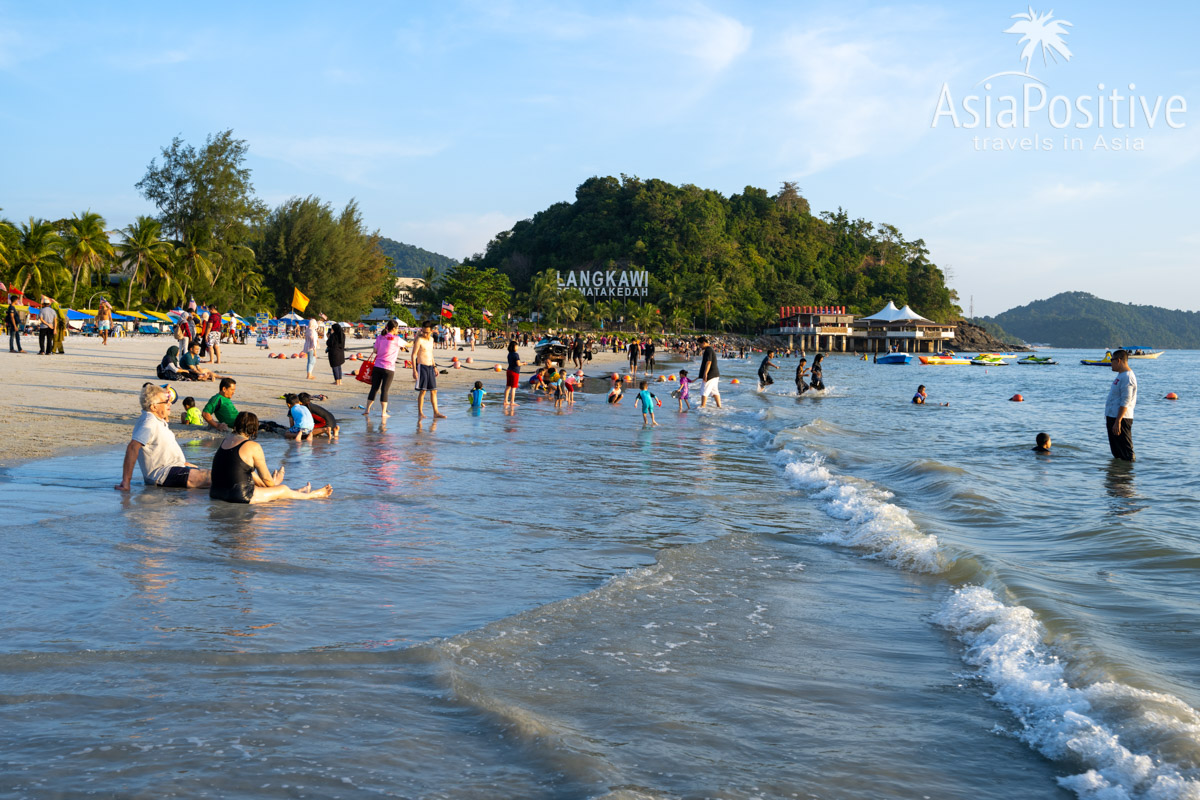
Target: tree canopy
331, 258
730, 261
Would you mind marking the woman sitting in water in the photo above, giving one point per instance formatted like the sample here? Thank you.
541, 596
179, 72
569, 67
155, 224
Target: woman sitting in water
240, 474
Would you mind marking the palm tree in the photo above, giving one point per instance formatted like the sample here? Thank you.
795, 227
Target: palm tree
144, 253
87, 247
674, 294
678, 319
708, 292
195, 262
38, 256
1040, 30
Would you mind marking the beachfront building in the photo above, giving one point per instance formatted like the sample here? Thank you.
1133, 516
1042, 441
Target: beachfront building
814, 328
902, 329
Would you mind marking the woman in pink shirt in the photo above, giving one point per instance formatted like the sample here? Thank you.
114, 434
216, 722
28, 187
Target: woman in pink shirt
387, 347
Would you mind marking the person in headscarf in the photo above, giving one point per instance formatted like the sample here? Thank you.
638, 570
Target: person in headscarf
168, 368
60, 333
335, 346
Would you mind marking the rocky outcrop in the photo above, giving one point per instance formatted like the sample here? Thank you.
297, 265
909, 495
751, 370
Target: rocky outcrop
970, 338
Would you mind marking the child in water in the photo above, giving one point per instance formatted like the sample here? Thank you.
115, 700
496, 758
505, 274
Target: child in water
801, 371
191, 414
614, 394
646, 400
684, 390
921, 396
1043, 443
476, 395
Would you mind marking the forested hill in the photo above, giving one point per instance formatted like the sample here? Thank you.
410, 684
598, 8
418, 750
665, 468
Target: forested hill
411, 261
741, 257
1078, 319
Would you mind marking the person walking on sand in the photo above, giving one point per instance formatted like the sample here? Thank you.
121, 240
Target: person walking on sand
424, 372
154, 448
383, 369
12, 321
240, 473
710, 374
1118, 408
335, 347
635, 350
310, 347
104, 320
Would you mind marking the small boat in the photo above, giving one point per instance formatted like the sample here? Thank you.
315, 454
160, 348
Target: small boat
931, 360
988, 360
1043, 360
894, 358
1135, 351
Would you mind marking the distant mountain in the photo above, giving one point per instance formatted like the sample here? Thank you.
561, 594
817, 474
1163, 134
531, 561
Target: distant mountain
1078, 319
411, 261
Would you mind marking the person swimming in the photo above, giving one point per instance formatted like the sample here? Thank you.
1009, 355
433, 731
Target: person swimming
1043, 443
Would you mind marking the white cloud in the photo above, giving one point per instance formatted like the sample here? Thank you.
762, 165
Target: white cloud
456, 235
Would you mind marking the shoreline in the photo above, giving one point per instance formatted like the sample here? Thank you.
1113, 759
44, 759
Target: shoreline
87, 398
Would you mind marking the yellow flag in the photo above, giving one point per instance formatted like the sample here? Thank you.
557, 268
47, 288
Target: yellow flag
299, 301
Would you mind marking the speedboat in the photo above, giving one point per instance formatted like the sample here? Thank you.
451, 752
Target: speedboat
1136, 351
988, 360
1043, 360
894, 358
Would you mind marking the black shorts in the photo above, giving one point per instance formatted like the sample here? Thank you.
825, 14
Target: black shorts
426, 378
177, 478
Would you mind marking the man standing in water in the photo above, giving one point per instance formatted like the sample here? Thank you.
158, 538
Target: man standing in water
710, 376
1118, 409
425, 372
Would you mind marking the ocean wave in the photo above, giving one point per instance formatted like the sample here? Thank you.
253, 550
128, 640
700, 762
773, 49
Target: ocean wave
873, 524
1068, 723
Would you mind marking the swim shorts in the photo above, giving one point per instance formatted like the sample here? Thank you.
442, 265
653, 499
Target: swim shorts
104, 326
426, 378
513, 380
710, 387
177, 478
214, 338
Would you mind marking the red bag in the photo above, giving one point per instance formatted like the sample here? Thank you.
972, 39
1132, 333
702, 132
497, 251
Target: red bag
364, 372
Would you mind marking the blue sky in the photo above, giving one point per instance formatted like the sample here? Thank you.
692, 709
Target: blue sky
450, 121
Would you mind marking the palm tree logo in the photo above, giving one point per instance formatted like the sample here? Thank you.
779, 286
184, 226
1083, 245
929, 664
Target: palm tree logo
1038, 31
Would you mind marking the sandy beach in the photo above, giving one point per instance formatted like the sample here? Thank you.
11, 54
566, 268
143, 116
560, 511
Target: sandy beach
88, 397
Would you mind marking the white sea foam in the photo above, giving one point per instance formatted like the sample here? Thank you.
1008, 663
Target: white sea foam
872, 523
1064, 722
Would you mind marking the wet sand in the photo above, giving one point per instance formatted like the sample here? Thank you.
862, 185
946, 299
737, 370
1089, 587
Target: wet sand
89, 396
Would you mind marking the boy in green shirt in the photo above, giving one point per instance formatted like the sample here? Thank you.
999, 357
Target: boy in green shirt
220, 412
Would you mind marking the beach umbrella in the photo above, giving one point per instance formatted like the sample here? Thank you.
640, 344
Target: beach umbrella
292, 316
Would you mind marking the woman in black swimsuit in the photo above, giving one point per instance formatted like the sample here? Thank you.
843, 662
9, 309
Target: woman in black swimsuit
240, 474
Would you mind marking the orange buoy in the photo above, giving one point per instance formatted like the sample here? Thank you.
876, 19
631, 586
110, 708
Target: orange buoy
616, 377
1016, 398
671, 377
629, 379
497, 368
735, 380
470, 360
1171, 396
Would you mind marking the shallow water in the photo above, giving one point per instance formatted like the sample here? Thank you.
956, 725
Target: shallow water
840, 596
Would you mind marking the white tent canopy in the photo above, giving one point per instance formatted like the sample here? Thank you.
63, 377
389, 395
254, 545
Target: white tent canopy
908, 314
890, 313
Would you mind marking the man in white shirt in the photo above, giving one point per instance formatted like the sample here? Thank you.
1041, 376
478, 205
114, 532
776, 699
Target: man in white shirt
156, 450
46, 328
1118, 408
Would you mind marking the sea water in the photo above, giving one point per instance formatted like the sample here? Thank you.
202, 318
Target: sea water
838, 595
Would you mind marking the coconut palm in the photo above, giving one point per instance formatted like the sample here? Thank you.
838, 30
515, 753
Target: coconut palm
707, 292
674, 293
86, 247
678, 319
195, 263
38, 254
1040, 31
144, 254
